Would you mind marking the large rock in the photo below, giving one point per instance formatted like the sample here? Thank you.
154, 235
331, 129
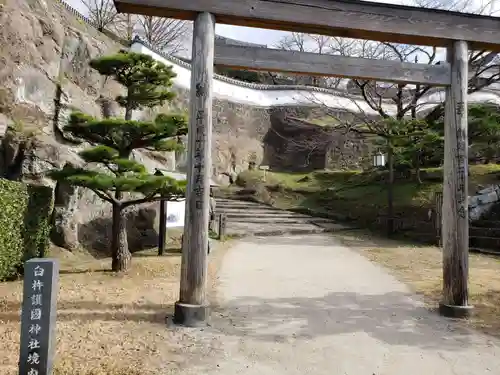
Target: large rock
80, 218
5, 122
43, 44
65, 223
481, 204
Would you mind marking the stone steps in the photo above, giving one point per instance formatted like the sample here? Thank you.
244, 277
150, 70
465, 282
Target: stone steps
484, 232
249, 218
262, 208
279, 214
245, 229
275, 220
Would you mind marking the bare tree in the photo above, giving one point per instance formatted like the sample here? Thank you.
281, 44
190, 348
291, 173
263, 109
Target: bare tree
102, 13
295, 42
308, 43
126, 26
464, 6
165, 34
484, 66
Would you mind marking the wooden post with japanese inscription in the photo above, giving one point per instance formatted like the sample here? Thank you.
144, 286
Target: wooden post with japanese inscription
192, 307
455, 215
38, 316
222, 226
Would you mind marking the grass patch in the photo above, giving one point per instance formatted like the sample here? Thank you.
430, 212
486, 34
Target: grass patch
107, 324
339, 190
323, 121
421, 268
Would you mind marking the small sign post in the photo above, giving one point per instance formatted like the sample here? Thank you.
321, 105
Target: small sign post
264, 168
38, 316
222, 226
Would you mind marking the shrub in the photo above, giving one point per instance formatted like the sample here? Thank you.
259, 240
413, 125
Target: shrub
255, 178
24, 224
250, 178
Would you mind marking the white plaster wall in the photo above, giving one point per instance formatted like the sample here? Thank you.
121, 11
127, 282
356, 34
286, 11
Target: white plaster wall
261, 98
270, 97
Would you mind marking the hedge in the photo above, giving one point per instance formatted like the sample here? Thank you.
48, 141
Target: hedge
24, 224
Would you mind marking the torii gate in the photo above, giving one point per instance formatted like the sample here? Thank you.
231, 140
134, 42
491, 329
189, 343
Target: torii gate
345, 18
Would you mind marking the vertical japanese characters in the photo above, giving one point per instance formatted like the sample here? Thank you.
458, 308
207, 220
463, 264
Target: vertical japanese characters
38, 317
35, 320
461, 157
199, 164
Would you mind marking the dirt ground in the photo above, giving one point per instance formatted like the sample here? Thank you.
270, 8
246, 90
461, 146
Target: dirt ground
107, 324
420, 267
115, 324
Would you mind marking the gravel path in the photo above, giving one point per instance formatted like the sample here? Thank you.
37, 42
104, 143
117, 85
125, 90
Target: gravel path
307, 305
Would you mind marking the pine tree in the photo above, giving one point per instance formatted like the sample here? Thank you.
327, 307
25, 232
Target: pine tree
484, 131
146, 84
416, 145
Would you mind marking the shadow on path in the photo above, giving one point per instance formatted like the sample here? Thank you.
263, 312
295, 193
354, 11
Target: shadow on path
394, 318
93, 311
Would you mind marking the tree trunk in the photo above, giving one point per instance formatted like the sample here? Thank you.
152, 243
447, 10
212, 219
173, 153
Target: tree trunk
417, 171
119, 244
435, 114
128, 114
418, 175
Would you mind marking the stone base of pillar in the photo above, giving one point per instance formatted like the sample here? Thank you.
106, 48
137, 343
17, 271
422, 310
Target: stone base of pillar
191, 315
451, 311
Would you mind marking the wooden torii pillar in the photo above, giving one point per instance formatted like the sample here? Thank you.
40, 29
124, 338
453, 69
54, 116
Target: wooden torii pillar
192, 308
455, 217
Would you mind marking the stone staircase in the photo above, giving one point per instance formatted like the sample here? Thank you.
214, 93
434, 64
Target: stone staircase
249, 218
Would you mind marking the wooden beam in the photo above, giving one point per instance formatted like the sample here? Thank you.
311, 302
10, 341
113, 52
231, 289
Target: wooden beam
455, 215
343, 18
256, 58
192, 308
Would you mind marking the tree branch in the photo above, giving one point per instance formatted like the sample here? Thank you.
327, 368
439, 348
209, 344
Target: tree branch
148, 199
105, 196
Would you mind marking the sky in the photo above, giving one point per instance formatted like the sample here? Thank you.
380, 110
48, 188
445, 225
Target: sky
246, 34
271, 37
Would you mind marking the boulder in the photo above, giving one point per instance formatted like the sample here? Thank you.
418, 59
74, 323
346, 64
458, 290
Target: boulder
65, 223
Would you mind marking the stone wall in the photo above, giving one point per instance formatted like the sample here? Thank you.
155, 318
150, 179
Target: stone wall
294, 144
242, 132
238, 131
